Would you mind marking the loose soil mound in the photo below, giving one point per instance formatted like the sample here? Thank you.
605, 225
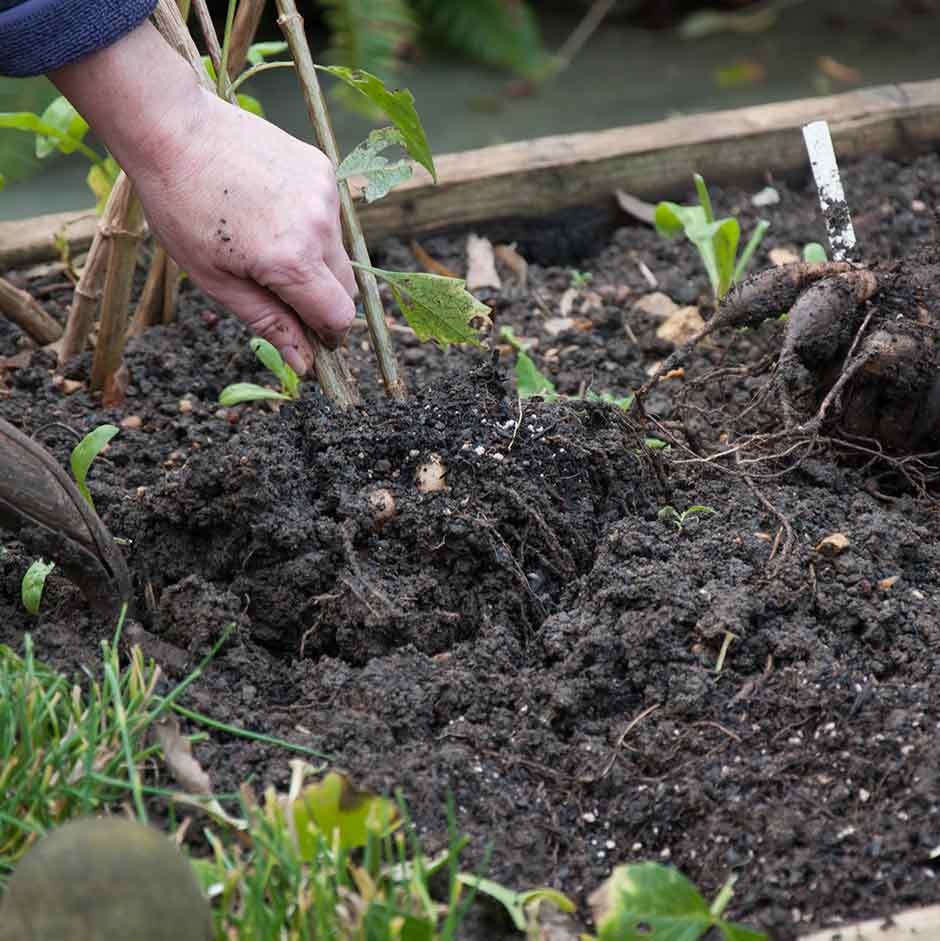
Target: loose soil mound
592, 682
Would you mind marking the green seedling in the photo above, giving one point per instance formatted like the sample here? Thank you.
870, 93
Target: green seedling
669, 514
530, 382
250, 392
34, 581
518, 904
84, 454
716, 239
814, 252
579, 280
652, 902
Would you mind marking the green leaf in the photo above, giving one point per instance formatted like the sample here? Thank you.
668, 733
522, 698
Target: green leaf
672, 220
252, 105
271, 358
757, 236
650, 902
655, 444
625, 402
34, 581
61, 114
85, 452
399, 106
814, 252
343, 814
736, 932
724, 241
240, 392
436, 308
259, 51
367, 160
515, 902
529, 381
32, 123
704, 199
101, 179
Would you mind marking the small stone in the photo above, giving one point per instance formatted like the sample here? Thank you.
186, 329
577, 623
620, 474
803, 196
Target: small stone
783, 256
71, 385
131, 422
888, 582
833, 545
185, 406
657, 305
918, 205
681, 326
556, 325
768, 196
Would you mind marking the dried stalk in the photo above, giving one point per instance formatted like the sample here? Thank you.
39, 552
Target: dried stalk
212, 41
124, 235
150, 305
291, 23
28, 314
332, 374
171, 289
247, 20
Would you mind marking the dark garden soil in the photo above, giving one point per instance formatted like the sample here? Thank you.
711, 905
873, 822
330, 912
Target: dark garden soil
535, 639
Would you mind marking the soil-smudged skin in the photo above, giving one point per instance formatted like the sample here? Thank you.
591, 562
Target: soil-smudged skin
497, 640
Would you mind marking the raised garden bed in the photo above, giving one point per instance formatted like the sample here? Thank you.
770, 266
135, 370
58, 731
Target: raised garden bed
594, 681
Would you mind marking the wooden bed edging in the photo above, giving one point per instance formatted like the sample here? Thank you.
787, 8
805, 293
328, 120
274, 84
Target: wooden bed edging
916, 924
550, 174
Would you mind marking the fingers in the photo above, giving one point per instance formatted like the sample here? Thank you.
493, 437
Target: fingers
321, 301
267, 316
338, 262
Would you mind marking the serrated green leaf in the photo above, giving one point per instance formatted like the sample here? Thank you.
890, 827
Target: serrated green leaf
814, 252
61, 114
650, 902
436, 308
345, 815
366, 160
398, 106
251, 105
85, 452
34, 581
240, 392
259, 51
269, 356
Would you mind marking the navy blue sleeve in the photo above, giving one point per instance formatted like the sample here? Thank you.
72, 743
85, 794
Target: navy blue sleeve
37, 36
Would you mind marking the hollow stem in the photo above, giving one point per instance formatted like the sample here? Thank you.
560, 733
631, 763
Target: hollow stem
291, 23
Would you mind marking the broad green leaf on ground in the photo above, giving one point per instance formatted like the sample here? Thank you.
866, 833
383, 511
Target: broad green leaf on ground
259, 51
61, 114
436, 308
343, 814
269, 356
398, 105
85, 452
529, 381
33, 583
240, 392
651, 902
366, 160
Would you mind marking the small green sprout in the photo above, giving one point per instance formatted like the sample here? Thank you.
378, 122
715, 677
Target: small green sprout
34, 581
669, 514
250, 392
579, 280
84, 454
814, 252
652, 902
517, 903
716, 239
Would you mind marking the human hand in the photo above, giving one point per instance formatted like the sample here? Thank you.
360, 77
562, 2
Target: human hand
249, 212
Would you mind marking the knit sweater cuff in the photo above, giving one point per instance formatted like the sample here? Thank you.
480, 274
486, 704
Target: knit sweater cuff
37, 36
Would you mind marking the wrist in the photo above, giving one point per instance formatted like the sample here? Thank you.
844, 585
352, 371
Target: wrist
140, 97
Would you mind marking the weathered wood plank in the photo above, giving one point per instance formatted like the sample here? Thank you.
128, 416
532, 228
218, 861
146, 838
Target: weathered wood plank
24, 241
917, 923
550, 174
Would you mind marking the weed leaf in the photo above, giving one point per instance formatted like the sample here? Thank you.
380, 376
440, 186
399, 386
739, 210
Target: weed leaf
671, 219
398, 105
814, 252
259, 51
735, 932
32, 123
61, 114
724, 240
366, 160
515, 902
34, 581
343, 814
436, 308
269, 357
85, 452
240, 392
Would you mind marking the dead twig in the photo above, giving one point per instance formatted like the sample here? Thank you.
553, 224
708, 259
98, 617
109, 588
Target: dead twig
28, 314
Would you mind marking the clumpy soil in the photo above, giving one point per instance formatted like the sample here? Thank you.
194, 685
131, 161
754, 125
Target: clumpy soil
593, 682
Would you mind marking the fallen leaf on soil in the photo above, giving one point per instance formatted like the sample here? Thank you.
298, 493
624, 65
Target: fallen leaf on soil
556, 325
431, 264
783, 256
179, 758
658, 305
429, 476
681, 326
637, 208
508, 255
833, 545
481, 264
837, 71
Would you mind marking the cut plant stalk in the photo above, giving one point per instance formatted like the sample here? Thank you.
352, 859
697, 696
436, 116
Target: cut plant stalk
291, 23
331, 374
27, 313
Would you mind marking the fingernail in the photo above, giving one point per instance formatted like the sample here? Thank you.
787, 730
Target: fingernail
294, 359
